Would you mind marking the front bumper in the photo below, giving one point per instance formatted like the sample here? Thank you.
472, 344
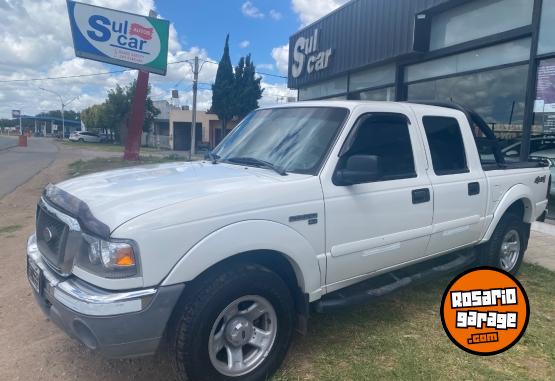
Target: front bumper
118, 324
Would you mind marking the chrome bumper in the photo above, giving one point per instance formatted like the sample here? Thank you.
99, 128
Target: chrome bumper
117, 324
84, 298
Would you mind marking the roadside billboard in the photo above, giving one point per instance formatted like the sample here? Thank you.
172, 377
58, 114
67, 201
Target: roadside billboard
119, 38
16, 114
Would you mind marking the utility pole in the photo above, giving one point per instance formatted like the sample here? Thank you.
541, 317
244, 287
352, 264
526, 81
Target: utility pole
194, 121
64, 104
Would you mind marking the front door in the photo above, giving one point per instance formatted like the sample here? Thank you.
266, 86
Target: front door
386, 222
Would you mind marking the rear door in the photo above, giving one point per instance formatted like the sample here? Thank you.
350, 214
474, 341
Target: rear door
458, 181
384, 223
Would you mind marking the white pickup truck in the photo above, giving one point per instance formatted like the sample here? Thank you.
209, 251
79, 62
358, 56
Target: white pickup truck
301, 208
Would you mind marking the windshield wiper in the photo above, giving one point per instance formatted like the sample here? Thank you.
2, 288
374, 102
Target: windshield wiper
212, 157
257, 163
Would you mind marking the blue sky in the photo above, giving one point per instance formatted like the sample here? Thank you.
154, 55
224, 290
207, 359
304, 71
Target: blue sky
192, 18
37, 48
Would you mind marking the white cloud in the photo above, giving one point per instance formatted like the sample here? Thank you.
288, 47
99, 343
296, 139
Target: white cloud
36, 43
263, 66
250, 10
275, 93
275, 15
311, 10
281, 56
244, 44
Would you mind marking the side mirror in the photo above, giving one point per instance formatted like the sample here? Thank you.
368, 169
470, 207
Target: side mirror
359, 169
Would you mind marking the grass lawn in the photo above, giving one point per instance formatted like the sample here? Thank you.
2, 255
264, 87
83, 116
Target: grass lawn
84, 167
400, 337
107, 147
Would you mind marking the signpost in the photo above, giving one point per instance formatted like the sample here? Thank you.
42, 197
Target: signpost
124, 39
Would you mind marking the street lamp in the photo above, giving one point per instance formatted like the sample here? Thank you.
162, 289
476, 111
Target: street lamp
64, 104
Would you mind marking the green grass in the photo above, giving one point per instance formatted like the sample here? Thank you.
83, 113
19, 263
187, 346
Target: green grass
84, 167
9, 229
400, 337
107, 147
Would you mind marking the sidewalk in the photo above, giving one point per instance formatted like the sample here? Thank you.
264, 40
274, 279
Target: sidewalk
541, 248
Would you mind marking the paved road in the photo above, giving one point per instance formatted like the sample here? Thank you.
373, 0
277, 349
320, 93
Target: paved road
7, 142
19, 164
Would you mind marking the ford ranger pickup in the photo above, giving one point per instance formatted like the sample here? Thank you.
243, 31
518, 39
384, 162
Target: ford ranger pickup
301, 208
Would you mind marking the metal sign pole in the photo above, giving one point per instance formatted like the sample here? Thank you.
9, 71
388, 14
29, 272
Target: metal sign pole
135, 126
194, 121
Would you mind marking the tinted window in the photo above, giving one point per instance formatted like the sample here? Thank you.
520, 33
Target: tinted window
547, 27
446, 145
496, 95
386, 136
478, 19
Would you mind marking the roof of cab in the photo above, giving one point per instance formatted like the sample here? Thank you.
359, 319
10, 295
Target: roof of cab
352, 105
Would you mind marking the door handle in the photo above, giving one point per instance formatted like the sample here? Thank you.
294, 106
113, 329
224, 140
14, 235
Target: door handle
473, 188
420, 196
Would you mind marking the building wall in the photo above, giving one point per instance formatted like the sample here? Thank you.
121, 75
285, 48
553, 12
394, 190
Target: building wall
361, 33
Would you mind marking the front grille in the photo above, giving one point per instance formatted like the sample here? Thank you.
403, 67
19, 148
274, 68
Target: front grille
51, 238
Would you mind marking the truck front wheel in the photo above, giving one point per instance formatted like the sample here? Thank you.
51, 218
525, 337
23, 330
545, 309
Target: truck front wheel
505, 249
236, 325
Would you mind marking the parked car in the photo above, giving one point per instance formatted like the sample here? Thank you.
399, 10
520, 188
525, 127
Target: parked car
85, 136
105, 138
302, 207
551, 162
539, 146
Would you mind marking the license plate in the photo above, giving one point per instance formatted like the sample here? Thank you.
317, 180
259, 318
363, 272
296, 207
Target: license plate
34, 274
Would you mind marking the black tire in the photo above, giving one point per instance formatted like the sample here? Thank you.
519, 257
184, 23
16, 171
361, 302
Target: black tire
207, 298
491, 251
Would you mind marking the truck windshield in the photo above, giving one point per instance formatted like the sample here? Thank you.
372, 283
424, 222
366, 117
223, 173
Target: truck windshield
292, 139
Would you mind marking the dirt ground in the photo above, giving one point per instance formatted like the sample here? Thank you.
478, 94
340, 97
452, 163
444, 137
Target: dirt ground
31, 347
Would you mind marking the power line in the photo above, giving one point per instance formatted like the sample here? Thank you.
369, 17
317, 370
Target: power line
65, 77
116, 72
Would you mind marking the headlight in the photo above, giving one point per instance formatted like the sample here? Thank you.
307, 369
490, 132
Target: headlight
106, 258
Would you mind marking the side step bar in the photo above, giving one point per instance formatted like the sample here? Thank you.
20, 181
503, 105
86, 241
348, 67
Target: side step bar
356, 295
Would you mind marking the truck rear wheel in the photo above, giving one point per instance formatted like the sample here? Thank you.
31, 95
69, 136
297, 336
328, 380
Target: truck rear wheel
505, 249
237, 325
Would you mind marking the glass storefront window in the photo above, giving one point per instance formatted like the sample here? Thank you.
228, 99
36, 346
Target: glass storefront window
374, 77
497, 95
542, 143
478, 19
384, 94
324, 89
546, 43
509, 52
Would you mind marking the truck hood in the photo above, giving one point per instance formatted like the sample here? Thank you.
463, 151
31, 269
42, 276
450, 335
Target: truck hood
115, 197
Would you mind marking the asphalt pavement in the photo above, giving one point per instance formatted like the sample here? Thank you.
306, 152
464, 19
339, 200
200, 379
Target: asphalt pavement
19, 164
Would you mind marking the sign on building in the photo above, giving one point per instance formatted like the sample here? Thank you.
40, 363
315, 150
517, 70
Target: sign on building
545, 94
119, 38
307, 56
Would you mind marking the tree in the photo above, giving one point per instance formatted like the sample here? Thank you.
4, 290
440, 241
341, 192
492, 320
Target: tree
113, 114
223, 95
68, 114
247, 87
